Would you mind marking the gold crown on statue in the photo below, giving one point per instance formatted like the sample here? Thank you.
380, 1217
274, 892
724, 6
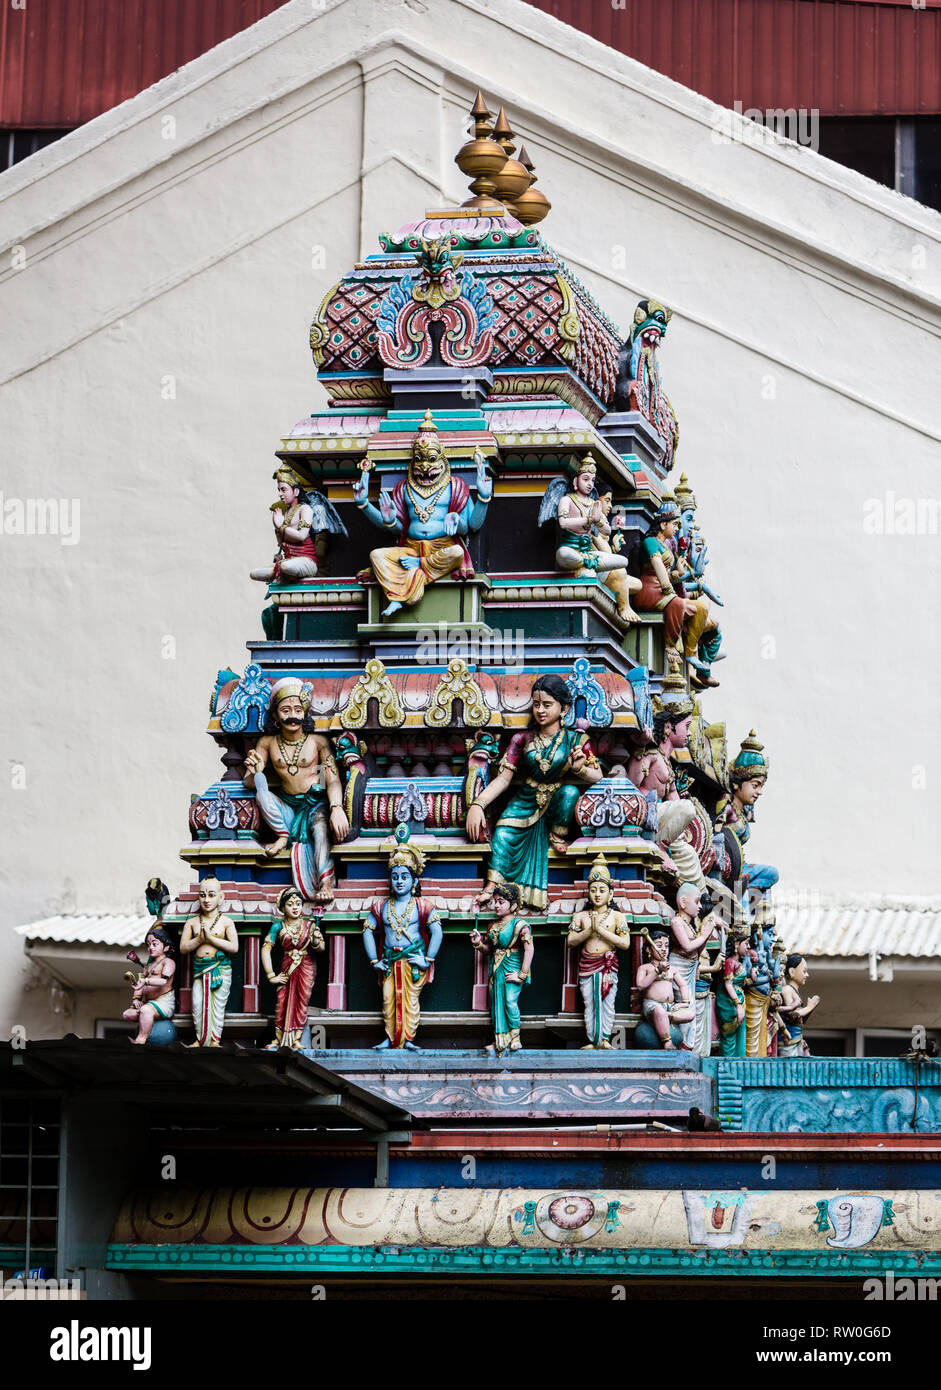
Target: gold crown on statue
599, 871
286, 474
290, 688
404, 853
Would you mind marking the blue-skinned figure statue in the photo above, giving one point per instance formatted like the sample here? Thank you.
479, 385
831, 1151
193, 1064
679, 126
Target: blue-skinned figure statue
762, 984
410, 933
433, 514
690, 541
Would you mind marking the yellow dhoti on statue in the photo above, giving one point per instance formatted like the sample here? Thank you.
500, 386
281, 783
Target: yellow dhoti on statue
756, 1023
401, 1012
437, 559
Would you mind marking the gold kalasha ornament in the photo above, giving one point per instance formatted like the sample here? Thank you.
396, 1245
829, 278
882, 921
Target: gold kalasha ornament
512, 178
532, 205
479, 159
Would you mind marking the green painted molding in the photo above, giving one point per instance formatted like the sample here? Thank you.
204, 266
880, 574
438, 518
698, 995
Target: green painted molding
469, 1259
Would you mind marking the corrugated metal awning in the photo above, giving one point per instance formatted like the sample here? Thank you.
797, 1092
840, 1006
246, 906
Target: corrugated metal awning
898, 927
90, 929
806, 921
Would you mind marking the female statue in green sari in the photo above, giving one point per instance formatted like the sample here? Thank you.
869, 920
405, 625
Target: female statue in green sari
547, 767
509, 943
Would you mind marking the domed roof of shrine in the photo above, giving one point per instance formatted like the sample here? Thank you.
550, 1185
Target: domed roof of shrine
470, 287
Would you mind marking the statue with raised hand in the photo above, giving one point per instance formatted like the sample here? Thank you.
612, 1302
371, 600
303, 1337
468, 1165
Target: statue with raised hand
433, 513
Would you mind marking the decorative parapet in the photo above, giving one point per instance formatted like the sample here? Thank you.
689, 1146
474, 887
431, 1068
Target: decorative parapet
826, 1095
611, 1230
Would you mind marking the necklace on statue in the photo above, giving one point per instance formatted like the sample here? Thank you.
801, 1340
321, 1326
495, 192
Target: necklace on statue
298, 745
430, 498
539, 743
293, 931
399, 924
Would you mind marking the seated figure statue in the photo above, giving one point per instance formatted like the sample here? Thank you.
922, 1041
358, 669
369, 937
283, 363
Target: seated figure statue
544, 769
665, 997
433, 513
585, 535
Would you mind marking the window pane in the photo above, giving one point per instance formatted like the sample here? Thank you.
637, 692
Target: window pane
868, 146
928, 162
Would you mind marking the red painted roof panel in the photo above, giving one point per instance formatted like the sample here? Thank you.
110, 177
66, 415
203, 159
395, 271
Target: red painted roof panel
63, 62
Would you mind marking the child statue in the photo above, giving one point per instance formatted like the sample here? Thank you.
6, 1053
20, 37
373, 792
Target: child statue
214, 940
411, 934
153, 995
601, 931
547, 768
661, 987
509, 943
793, 1011
297, 936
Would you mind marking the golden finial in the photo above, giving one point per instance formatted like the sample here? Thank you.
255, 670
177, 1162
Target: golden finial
511, 179
502, 132
481, 116
532, 205
479, 159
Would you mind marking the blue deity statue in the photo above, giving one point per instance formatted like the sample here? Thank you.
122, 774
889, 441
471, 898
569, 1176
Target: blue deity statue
410, 931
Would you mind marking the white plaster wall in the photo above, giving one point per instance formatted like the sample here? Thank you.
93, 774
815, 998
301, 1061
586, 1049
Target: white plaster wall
802, 361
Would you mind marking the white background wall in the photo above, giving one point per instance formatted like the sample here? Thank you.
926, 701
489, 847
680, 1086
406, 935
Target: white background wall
802, 361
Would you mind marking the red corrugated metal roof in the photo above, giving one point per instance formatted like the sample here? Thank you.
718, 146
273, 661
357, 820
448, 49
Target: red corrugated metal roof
840, 57
62, 62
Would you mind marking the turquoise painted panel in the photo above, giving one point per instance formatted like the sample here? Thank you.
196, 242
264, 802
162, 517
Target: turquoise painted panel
416, 1259
827, 1095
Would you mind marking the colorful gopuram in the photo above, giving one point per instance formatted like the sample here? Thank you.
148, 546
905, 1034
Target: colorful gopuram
476, 885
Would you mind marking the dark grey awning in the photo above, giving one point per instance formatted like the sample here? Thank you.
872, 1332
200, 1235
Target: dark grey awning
220, 1084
